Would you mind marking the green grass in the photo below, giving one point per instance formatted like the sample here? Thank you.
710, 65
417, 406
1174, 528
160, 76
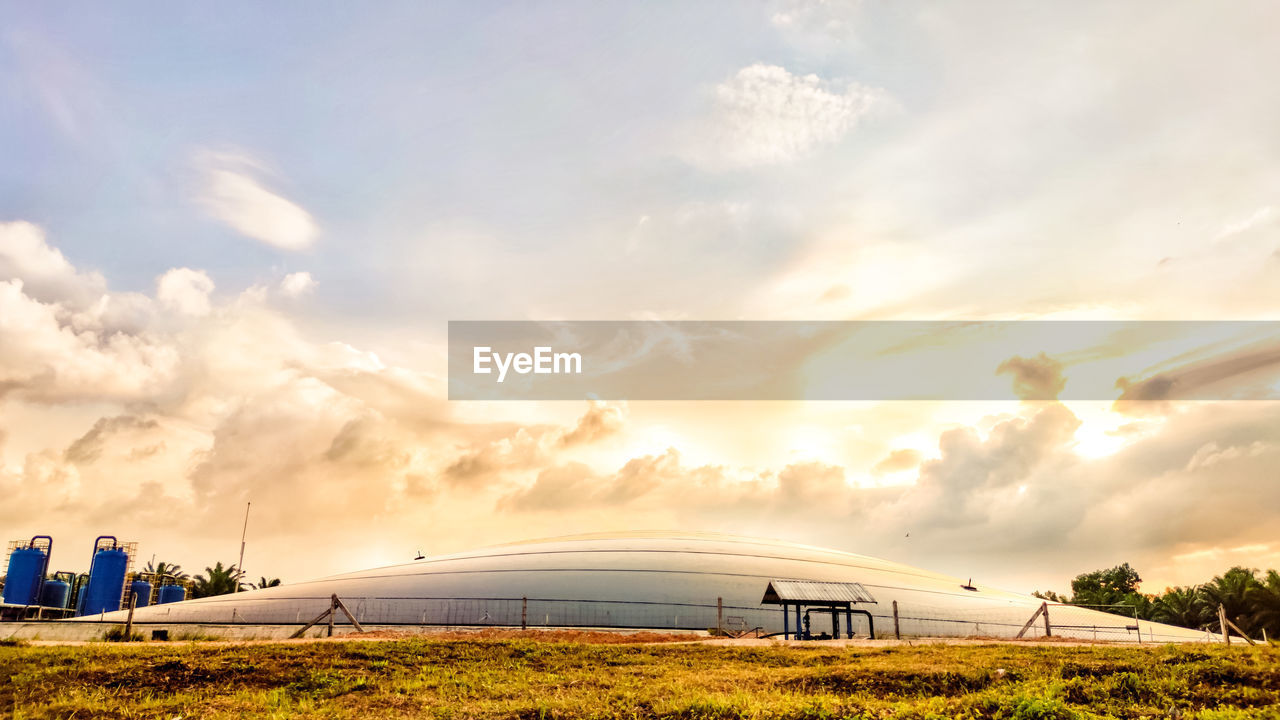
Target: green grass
532, 679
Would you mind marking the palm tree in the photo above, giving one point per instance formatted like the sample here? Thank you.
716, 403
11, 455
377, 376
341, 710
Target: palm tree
1232, 591
165, 569
1181, 606
217, 580
1264, 601
263, 582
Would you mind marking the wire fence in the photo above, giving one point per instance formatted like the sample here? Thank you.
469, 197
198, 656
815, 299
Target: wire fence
973, 620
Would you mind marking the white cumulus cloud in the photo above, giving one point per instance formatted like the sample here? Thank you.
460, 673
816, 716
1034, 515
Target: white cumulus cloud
185, 290
297, 284
44, 271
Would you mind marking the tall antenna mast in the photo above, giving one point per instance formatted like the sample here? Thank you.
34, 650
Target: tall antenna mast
243, 533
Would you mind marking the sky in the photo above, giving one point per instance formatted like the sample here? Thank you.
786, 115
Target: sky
232, 237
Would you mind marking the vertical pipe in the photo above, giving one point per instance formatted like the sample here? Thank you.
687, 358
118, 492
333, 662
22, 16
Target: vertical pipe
897, 634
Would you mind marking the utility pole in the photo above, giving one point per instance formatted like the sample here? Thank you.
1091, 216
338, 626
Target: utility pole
243, 534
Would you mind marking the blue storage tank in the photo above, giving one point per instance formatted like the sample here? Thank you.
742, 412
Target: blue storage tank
171, 594
106, 578
27, 566
142, 590
56, 593
80, 597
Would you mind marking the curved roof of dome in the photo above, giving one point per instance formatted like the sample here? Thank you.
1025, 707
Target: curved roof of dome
672, 580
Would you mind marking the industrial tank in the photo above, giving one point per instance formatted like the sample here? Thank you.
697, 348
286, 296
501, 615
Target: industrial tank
27, 566
56, 593
171, 594
142, 590
106, 577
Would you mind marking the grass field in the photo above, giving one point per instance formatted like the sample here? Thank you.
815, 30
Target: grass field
523, 678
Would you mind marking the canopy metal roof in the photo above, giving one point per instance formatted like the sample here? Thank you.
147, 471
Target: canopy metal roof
810, 592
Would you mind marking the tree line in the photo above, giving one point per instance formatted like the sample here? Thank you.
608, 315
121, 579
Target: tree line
1251, 599
215, 580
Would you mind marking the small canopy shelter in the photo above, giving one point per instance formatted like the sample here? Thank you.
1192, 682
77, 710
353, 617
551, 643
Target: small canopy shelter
829, 596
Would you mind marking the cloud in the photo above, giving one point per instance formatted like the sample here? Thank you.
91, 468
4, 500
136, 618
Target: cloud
991, 493
600, 421
234, 196
518, 449
169, 427
1240, 372
897, 461
59, 83
765, 115
45, 273
556, 489
1210, 454
185, 290
54, 354
1034, 378
823, 16
1260, 218
88, 447
297, 284
1006, 496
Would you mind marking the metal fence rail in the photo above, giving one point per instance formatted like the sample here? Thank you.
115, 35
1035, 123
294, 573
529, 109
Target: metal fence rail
1004, 621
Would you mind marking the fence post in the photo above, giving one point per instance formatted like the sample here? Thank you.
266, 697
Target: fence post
1048, 630
719, 616
128, 625
1222, 624
1044, 608
897, 634
524, 613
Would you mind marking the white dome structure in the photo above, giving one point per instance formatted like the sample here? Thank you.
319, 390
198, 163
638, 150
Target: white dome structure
654, 580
